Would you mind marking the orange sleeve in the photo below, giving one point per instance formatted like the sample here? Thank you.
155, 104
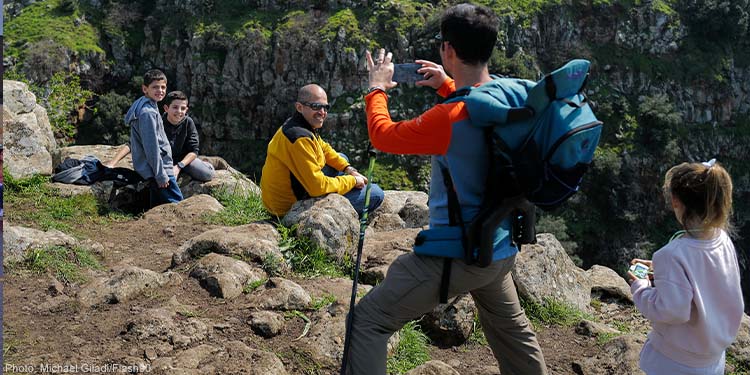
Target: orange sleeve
448, 87
428, 134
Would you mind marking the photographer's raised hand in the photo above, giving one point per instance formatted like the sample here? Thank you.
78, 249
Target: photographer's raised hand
380, 70
434, 74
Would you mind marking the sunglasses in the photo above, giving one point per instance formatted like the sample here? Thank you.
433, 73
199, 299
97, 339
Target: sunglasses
316, 106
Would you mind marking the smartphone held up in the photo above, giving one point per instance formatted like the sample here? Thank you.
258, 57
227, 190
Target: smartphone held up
407, 73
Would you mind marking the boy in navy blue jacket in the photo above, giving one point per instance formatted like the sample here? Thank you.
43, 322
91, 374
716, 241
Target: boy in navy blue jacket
152, 155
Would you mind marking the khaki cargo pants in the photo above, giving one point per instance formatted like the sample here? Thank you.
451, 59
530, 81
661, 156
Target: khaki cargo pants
411, 288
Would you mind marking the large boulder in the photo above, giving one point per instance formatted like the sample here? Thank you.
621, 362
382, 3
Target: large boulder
18, 241
132, 198
234, 358
226, 181
330, 222
102, 152
163, 325
451, 324
256, 242
280, 294
27, 134
401, 209
324, 344
125, 284
545, 271
190, 208
619, 356
266, 323
225, 277
607, 284
381, 249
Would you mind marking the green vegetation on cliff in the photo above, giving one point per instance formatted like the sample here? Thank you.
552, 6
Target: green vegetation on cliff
49, 20
346, 23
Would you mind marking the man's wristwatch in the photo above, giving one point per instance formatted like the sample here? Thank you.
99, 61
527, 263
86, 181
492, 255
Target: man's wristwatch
375, 88
181, 165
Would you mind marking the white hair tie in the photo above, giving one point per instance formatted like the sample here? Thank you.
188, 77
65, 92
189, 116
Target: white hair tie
710, 163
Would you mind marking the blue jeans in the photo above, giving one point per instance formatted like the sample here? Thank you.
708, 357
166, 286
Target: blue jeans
169, 194
200, 170
357, 196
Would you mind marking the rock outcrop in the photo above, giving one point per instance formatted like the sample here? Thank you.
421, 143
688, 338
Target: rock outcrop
28, 140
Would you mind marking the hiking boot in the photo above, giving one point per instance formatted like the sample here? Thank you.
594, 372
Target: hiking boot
216, 161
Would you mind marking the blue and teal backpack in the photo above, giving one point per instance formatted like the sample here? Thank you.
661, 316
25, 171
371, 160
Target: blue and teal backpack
538, 152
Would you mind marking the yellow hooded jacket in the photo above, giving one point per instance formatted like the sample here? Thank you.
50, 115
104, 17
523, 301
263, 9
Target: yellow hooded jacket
293, 170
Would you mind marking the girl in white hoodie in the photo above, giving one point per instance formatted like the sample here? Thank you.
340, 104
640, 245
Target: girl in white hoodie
695, 303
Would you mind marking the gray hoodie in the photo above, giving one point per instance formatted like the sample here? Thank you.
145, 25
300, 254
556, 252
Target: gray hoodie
152, 155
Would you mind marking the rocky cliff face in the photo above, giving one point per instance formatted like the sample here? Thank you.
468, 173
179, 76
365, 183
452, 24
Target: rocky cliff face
243, 61
669, 87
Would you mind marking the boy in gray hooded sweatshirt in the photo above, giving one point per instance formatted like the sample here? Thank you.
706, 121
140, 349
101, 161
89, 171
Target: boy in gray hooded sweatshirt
152, 155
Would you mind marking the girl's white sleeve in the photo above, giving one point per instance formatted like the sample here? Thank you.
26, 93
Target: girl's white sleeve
670, 299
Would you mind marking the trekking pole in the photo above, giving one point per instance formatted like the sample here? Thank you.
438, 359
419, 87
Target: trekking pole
362, 226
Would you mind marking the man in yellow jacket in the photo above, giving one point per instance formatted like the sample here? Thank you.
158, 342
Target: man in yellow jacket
300, 164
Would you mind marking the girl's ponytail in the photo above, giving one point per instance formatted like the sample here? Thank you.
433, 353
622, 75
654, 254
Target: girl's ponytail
705, 189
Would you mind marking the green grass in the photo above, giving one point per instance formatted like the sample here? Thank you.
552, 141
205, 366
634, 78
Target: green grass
65, 263
250, 287
596, 304
412, 350
239, 209
234, 16
739, 368
34, 200
11, 342
308, 259
346, 20
272, 264
553, 312
604, 338
477, 335
303, 362
187, 313
45, 20
323, 301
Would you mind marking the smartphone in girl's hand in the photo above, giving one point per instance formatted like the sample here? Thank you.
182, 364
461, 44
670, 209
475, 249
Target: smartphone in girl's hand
640, 270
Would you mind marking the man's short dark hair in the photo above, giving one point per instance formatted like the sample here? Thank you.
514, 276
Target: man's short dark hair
471, 30
153, 75
174, 95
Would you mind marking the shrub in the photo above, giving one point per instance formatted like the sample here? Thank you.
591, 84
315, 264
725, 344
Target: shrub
44, 59
412, 350
69, 6
65, 101
390, 177
658, 120
107, 125
716, 20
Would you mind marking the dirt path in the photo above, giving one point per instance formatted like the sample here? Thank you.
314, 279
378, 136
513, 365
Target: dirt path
42, 328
